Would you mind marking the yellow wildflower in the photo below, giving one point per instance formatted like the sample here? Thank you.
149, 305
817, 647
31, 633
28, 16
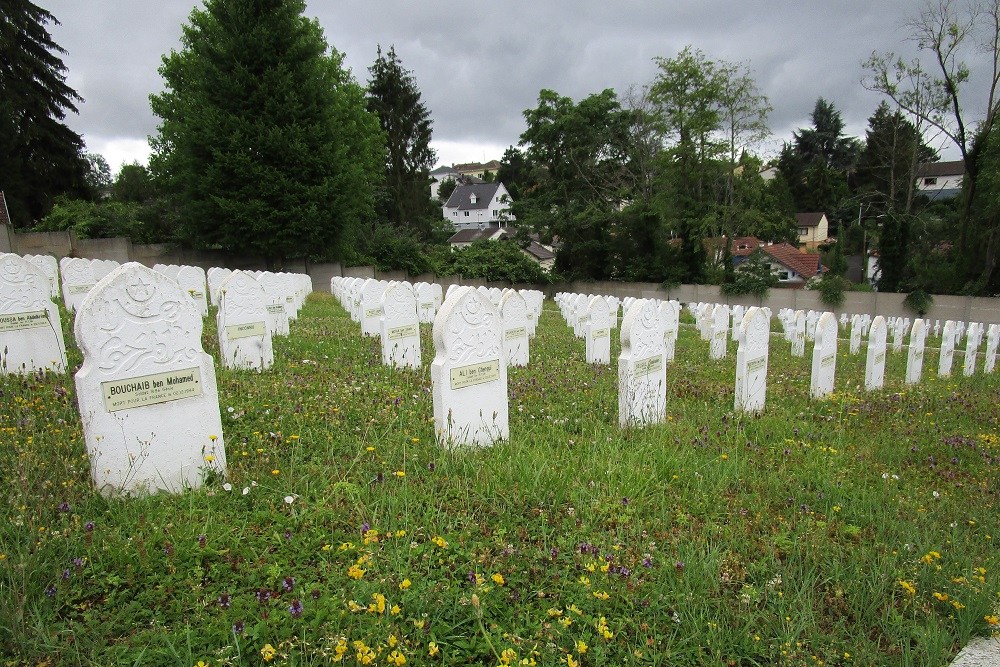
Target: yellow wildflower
406, 583
432, 649
498, 579
268, 653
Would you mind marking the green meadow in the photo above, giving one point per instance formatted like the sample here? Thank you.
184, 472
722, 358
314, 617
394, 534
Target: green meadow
855, 530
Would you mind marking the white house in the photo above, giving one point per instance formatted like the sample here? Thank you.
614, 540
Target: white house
478, 205
940, 180
439, 176
813, 228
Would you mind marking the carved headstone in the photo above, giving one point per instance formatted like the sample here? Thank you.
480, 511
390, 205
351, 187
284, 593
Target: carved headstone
31, 336
670, 314
875, 359
192, 281
799, 334
468, 374
720, 332
915, 354
400, 327
642, 369
824, 361
599, 332
244, 334
947, 349
146, 390
751, 361
855, 334
514, 315
992, 340
77, 280
972, 340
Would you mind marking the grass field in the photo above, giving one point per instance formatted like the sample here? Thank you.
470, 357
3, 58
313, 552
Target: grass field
853, 530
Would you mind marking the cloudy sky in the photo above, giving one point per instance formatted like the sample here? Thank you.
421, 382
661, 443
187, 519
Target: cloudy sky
480, 65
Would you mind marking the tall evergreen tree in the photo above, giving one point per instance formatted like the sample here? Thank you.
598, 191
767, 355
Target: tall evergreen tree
264, 141
39, 156
394, 98
817, 163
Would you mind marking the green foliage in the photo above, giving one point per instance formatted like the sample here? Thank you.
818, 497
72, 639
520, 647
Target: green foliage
264, 141
919, 302
753, 277
107, 219
799, 526
393, 97
495, 261
831, 288
387, 248
447, 186
40, 157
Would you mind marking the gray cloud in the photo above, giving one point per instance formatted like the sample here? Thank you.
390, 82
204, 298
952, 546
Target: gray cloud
480, 65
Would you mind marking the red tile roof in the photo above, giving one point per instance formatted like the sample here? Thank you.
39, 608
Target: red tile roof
805, 264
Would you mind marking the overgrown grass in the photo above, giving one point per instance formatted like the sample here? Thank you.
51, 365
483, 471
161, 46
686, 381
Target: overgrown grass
853, 530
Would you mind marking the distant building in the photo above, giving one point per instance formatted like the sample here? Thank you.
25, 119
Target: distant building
539, 253
813, 229
477, 206
439, 176
792, 266
940, 180
478, 169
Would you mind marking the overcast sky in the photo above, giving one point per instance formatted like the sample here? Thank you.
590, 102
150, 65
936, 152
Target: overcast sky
479, 65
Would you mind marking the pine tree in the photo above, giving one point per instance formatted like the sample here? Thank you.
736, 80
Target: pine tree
39, 156
264, 143
393, 96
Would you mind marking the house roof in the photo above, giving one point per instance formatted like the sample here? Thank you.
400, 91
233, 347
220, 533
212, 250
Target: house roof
4, 215
472, 235
492, 165
461, 197
809, 219
539, 252
443, 171
805, 264
953, 168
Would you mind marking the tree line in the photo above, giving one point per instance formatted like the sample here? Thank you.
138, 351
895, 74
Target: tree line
267, 145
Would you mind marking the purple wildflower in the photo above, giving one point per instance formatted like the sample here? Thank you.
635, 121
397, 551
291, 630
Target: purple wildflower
225, 600
288, 583
50, 591
89, 526
295, 609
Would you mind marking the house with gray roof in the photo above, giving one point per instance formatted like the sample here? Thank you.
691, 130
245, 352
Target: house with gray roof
940, 180
478, 205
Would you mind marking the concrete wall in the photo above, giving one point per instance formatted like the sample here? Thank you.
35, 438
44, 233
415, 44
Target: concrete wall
65, 244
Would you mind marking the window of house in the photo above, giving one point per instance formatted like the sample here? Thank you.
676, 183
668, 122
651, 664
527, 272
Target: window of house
466, 214
930, 180
784, 275
803, 231
455, 213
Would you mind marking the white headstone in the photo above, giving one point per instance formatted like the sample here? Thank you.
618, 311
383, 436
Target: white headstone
751, 361
400, 327
971, 349
77, 279
992, 340
824, 361
192, 281
426, 306
216, 275
31, 336
875, 360
915, 355
670, 314
371, 306
514, 315
642, 369
244, 334
720, 332
50, 267
855, 334
468, 374
146, 390
599, 332
738, 312
276, 307
799, 334
947, 349
898, 329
